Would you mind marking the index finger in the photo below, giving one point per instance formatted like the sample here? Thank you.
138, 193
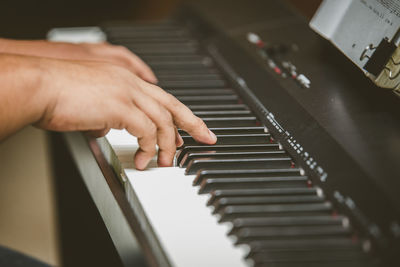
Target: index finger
141, 68
183, 117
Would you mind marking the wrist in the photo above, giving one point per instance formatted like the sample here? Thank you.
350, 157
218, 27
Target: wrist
32, 72
22, 95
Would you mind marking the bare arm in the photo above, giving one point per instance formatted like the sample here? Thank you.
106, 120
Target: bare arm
102, 52
22, 101
66, 95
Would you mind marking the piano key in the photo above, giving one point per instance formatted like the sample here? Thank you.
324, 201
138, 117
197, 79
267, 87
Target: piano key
338, 242
239, 139
223, 113
157, 65
181, 154
222, 164
167, 49
127, 26
221, 99
199, 92
184, 72
265, 182
288, 221
232, 212
231, 130
298, 220
235, 173
188, 76
162, 209
194, 84
178, 61
310, 256
217, 107
126, 40
315, 264
173, 46
243, 121
228, 155
218, 194
131, 33
176, 58
243, 201
290, 232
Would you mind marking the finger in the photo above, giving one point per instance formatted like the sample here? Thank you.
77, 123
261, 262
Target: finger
139, 67
178, 138
139, 125
98, 133
165, 128
182, 115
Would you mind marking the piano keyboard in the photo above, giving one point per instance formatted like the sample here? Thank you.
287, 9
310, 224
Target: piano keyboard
251, 193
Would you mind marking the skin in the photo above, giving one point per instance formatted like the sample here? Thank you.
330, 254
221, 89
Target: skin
92, 88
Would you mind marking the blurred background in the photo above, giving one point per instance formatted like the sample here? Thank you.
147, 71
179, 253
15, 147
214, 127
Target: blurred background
28, 221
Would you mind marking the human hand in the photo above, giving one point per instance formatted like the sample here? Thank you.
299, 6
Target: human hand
103, 52
94, 97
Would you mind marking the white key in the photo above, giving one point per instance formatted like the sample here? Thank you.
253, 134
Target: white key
184, 225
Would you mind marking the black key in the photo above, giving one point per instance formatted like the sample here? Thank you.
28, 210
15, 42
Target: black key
184, 72
290, 232
189, 76
149, 39
217, 106
128, 29
176, 58
248, 121
223, 113
166, 49
287, 221
244, 201
196, 148
232, 130
162, 61
248, 174
229, 155
338, 263
248, 164
170, 48
300, 257
132, 34
157, 65
239, 139
199, 92
218, 194
233, 212
208, 99
194, 84
300, 243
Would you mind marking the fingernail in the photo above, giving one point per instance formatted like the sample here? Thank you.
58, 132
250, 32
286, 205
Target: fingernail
141, 161
179, 142
154, 80
212, 135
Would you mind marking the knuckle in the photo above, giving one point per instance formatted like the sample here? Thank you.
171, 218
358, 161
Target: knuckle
151, 130
163, 117
171, 100
195, 123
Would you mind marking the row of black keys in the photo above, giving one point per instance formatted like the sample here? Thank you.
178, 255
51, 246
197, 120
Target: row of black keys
252, 182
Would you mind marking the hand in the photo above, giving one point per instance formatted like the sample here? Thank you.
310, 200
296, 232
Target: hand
103, 52
89, 96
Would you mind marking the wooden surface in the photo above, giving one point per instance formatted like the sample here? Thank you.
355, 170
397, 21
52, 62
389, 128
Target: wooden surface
27, 213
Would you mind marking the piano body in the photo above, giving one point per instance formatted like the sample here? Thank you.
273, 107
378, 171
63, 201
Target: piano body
306, 168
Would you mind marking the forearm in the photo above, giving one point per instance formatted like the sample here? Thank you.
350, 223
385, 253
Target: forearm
22, 100
101, 52
39, 48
